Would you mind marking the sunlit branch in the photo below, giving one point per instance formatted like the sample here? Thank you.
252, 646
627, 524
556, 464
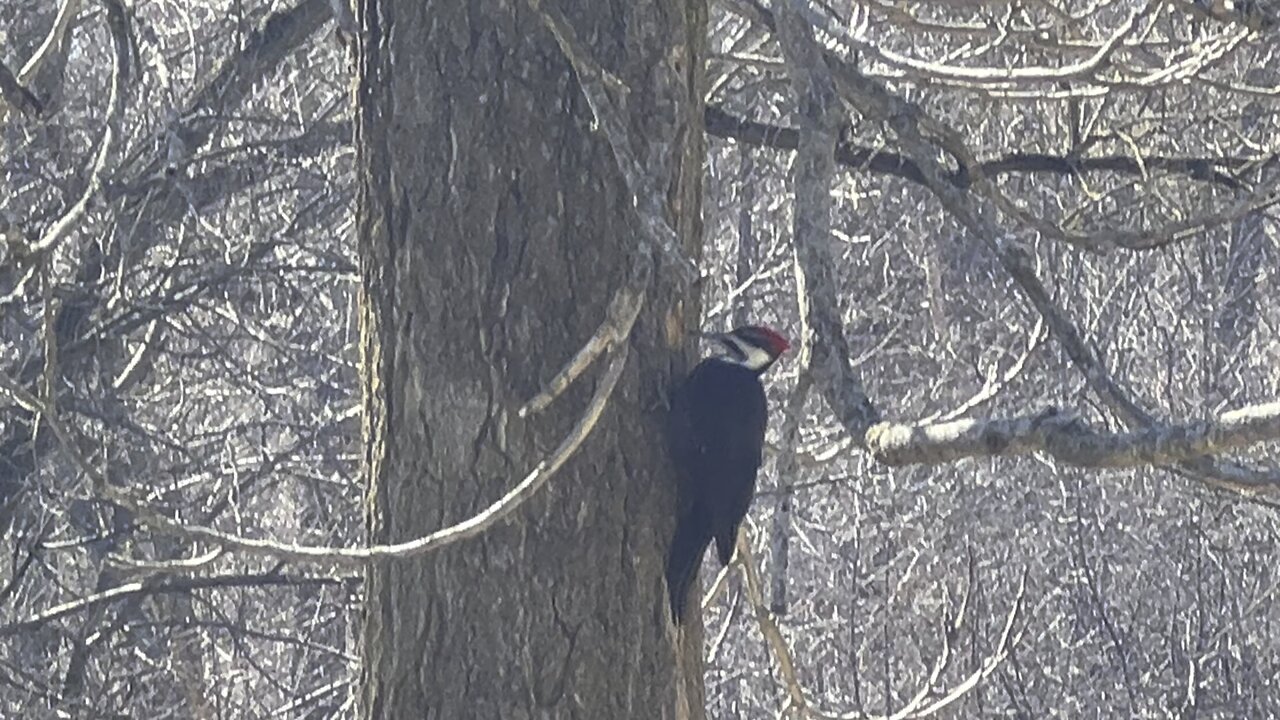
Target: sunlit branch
919, 134
67, 11
615, 329
117, 22
596, 84
1071, 71
994, 385
1067, 439
159, 585
496, 512
821, 117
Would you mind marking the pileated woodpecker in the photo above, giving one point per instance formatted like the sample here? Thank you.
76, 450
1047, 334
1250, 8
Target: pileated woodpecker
717, 423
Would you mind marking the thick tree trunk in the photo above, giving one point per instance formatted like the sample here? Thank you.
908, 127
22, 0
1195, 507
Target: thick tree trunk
494, 228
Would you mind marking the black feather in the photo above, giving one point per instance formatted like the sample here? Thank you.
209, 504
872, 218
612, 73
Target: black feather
717, 424
693, 534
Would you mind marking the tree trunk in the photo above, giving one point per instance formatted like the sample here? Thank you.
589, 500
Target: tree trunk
494, 227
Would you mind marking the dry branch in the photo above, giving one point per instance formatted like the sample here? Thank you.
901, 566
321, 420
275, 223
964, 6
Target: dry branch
161, 584
1068, 440
16, 95
798, 704
885, 161
496, 512
118, 23
1003, 75
917, 132
56, 37
596, 84
796, 700
919, 135
820, 120
614, 330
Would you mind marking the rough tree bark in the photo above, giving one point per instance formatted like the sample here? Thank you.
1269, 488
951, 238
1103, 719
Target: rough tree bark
494, 227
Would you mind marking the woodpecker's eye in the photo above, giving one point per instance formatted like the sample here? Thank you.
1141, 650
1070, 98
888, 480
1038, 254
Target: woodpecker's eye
733, 348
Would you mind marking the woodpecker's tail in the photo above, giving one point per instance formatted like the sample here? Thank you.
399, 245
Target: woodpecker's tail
726, 541
693, 534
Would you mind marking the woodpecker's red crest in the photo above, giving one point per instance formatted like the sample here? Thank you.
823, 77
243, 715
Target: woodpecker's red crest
753, 346
764, 338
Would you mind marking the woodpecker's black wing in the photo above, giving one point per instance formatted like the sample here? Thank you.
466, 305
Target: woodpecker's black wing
693, 534
717, 425
693, 523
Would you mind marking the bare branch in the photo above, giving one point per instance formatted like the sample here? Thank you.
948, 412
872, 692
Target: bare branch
66, 13
614, 330
718, 585
912, 124
797, 701
498, 511
789, 465
158, 585
917, 133
777, 644
118, 23
820, 118
281, 34
645, 195
990, 663
179, 564
885, 161
1065, 437
1083, 69
993, 385
16, 95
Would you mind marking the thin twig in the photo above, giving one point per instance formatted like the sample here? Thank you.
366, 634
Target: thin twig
781, 653
919, 135
66, 13
613, 330
596, 83
158, 585
498, 511
118, 23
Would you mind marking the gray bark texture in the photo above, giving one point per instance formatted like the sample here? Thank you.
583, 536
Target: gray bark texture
494, 227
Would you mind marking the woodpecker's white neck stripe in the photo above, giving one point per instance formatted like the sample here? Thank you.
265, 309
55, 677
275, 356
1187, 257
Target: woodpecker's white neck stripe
748, 355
